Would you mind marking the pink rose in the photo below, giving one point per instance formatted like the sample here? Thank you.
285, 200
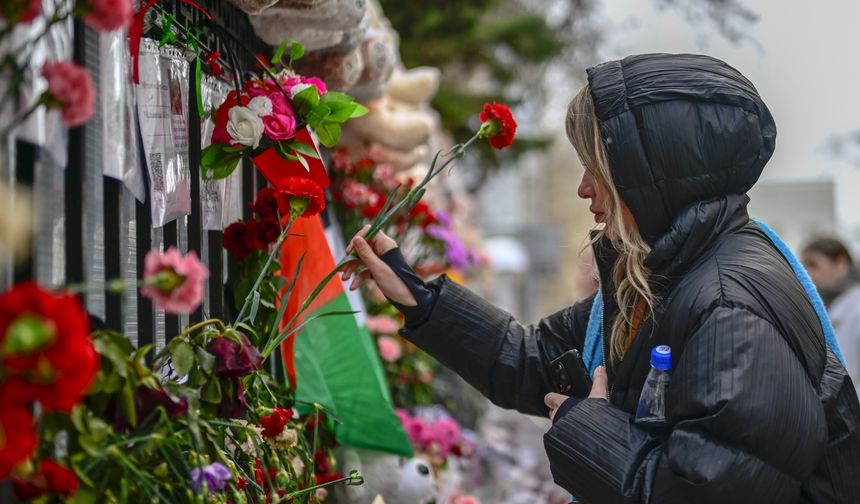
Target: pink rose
174, 283
389, 348
20, 11
280, 105
70, 89
108, 15
279, 126
382, 324
466, 499
315, 82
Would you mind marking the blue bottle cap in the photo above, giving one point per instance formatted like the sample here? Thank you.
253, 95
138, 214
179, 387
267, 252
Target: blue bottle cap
661, 358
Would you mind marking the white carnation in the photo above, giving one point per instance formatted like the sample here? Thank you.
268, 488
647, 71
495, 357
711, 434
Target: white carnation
261, 105
298, 88
245, 126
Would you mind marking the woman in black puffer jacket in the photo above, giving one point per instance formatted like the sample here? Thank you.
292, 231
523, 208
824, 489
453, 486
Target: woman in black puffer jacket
759, 409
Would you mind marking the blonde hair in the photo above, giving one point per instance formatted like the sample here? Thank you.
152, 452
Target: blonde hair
629, 272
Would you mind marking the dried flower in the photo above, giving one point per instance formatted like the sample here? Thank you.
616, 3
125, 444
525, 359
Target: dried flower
233, 359
174, 283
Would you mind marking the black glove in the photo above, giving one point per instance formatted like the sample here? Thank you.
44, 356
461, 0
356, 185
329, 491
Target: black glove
424, 296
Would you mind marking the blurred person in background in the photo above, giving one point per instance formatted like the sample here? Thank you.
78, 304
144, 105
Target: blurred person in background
759, 408
832, 269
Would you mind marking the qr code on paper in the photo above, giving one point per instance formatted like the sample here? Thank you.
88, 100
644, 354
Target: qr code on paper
156, 171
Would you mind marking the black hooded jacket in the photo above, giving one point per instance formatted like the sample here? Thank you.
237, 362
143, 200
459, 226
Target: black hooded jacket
760, 411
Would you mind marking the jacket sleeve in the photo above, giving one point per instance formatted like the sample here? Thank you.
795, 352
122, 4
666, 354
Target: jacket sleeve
504, 360
748, 426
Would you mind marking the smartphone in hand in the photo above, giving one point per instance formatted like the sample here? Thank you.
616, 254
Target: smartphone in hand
571, 377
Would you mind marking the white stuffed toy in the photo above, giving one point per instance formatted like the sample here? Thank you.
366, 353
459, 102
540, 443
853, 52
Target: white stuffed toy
396, 479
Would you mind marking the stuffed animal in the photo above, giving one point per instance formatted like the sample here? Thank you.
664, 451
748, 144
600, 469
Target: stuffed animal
253, 6
396, 479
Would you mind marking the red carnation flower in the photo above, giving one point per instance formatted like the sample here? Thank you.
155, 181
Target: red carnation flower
300, 196
262, 232
266, 205
498, 125
50, 477
48, 356
236, 239
18, 439
20, 11
274, 424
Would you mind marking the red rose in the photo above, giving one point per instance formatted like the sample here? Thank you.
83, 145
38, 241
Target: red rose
498, 124
274, 424
17, 433
257, 87
266, 205
70, 89
20, 11
212, 60
108, 15
53, 360
263, 232
235, 239
300, 195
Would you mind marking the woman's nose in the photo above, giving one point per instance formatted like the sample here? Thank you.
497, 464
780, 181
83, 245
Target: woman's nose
586, 187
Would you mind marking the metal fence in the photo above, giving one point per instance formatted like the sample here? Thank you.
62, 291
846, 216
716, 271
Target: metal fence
89, 227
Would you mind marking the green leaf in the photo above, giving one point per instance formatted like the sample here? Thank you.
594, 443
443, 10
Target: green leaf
296, 51
328, 134
333, 97
206, 360
183, 358
359, 111
211, 392
198, 91
279, 52
225, 167
341, 114
306, 100
318, 114
304, 162
255, 305
126, 403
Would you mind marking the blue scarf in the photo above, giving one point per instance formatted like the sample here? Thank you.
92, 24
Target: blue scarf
592, 353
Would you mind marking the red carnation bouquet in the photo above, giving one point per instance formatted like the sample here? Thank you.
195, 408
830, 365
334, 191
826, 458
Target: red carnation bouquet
268, 119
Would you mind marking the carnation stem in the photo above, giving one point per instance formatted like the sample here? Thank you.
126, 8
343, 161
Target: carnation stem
200, 325
380, 222
275, 250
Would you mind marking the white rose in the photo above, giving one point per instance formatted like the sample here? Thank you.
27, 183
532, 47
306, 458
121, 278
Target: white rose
261, 105
245, 126
298, 88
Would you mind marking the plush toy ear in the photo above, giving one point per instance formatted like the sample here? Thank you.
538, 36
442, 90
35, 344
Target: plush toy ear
416, 482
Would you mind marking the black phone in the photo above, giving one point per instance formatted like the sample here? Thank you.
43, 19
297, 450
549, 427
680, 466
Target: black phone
571, 377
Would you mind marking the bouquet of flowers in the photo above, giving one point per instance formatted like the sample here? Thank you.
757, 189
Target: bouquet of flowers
269, 119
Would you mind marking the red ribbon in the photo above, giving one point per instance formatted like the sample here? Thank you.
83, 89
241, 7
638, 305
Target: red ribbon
135, 33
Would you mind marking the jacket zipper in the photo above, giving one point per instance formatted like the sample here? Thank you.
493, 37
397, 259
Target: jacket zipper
603, 337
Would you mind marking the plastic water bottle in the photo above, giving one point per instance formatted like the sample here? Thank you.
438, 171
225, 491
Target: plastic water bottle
651, 412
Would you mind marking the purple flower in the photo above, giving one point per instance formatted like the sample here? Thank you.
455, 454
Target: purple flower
234, 359
215, 475
456, 251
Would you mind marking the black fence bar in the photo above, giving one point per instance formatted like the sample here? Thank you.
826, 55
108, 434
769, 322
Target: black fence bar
171, 239
25, 171
143, 242
113, 219
195, 220
74, 181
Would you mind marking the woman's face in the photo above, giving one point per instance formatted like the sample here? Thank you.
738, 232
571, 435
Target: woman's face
601, 203
824, 270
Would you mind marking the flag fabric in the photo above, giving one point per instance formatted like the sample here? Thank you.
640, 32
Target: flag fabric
333, 360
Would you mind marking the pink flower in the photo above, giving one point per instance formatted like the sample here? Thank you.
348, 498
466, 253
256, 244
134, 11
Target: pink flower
389, 348
466, 499
357, 194
279, 126
108, 15
70, 89
382, 324
441, 436
384, 176
20, 11
174, 283
280, 105
315, 82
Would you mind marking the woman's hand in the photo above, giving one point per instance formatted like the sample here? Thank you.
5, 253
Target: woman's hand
554, 400
369, 265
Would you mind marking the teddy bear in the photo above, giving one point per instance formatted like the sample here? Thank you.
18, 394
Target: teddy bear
397, 480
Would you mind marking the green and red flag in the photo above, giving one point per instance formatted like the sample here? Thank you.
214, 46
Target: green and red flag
333, 360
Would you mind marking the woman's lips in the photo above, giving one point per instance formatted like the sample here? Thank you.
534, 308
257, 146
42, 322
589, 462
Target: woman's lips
598, 217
